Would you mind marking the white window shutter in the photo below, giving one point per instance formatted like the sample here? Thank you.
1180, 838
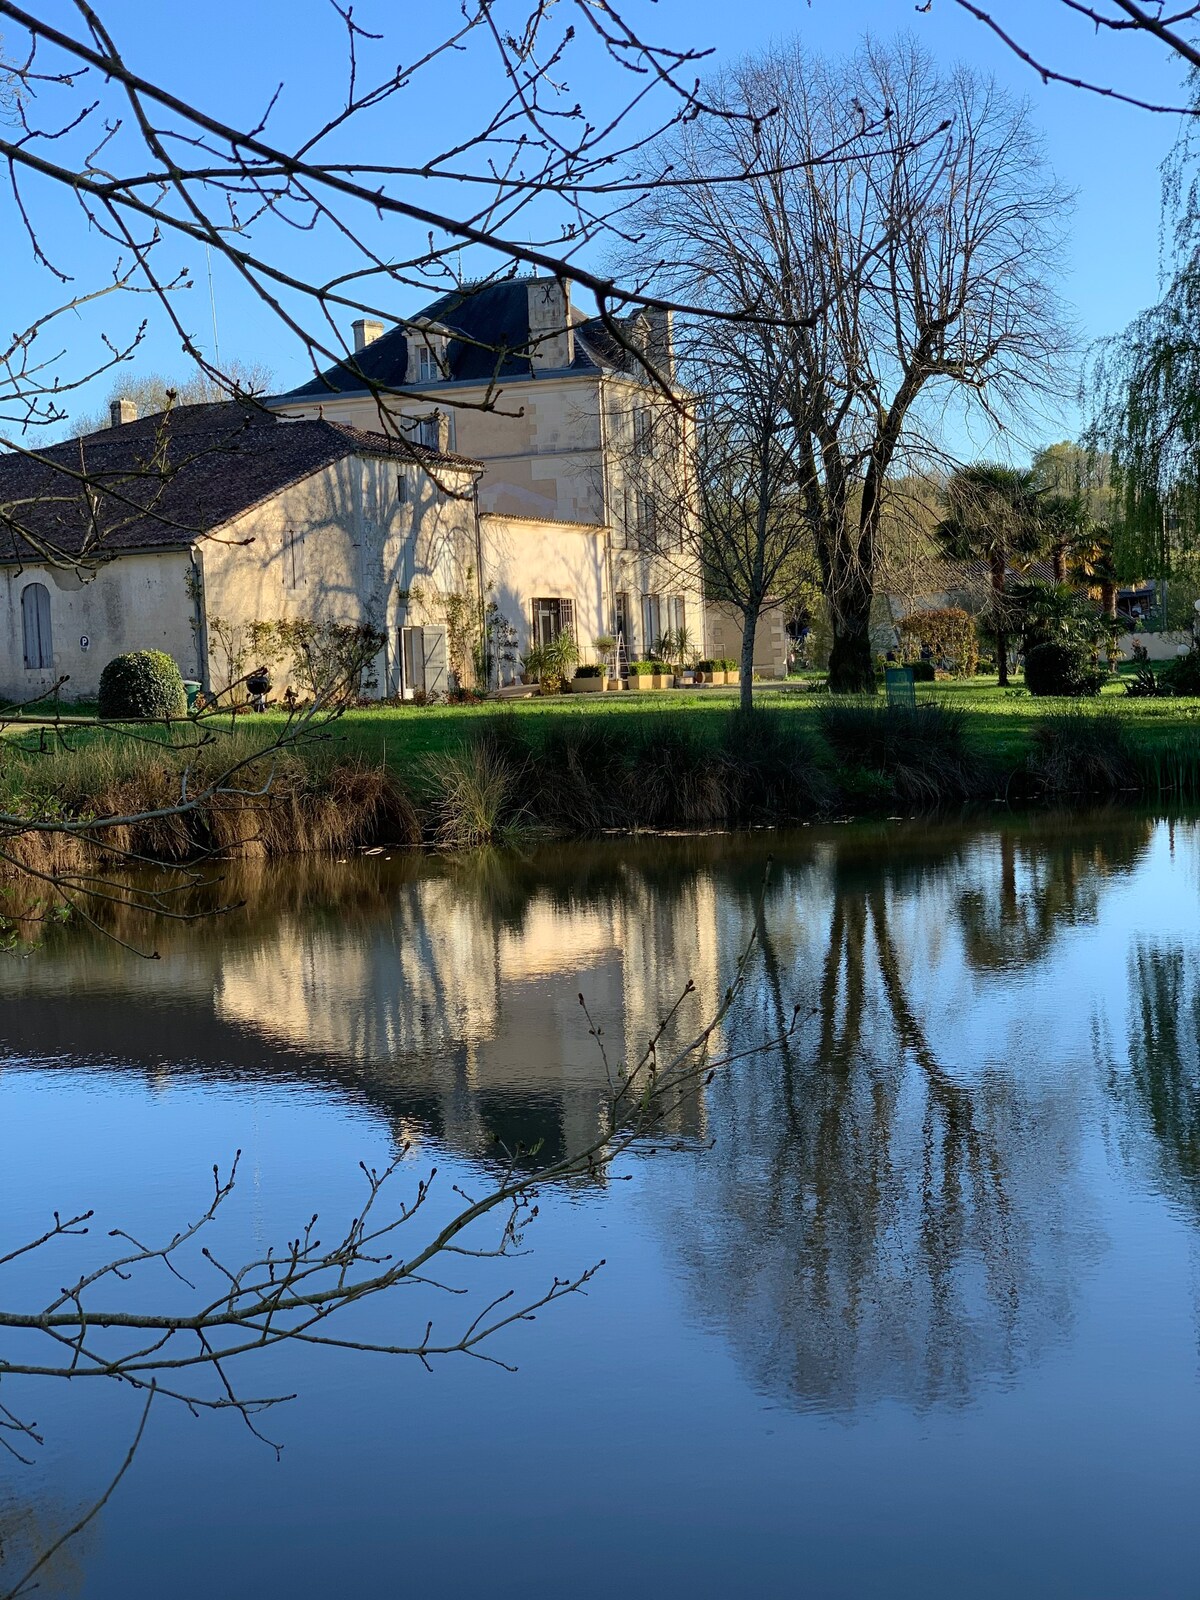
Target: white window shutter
434, 646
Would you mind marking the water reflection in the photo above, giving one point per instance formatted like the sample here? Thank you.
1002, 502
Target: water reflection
888, 1211
1164, 1058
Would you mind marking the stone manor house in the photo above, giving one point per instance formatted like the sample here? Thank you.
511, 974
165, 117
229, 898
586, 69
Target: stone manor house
500, 449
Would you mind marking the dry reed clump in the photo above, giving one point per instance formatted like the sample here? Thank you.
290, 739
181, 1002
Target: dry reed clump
922, 754
1077, 752
773, 774
677, 778
121, 800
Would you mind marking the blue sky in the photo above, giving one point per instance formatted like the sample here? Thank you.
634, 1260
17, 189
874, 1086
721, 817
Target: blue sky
231, 56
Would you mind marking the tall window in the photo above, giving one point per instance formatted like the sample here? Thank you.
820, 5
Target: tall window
402, 487
642, 441
550, 618
621, 620
35, 625
428, 370
676, 613
651, 622
427, 432
647, 521
293, 557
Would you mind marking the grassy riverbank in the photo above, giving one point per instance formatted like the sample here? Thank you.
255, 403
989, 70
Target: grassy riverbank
456, 776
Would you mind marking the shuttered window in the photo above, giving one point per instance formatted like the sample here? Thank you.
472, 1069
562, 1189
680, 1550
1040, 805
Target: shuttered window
552, 617
35, 627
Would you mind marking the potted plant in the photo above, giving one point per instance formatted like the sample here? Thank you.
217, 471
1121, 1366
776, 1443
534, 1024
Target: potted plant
645, 675
532, 664
560, 657
588, 679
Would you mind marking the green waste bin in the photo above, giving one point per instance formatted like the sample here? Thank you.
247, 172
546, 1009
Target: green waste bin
192, 690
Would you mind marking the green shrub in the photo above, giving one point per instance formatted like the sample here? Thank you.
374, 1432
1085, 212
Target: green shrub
1182, 676
1146, 684
717, 664
923, 671
144, 683
477, 792
1062, 669
589, 671
645, 669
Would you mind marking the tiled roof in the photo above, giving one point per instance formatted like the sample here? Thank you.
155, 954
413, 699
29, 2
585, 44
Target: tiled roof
492, 320
162, 481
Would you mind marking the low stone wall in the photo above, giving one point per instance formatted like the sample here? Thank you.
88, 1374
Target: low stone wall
1158, 646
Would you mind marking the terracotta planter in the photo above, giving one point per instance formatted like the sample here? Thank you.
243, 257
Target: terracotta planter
588, 685
645, 681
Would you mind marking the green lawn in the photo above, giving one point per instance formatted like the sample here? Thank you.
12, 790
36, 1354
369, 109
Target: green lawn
1000, 720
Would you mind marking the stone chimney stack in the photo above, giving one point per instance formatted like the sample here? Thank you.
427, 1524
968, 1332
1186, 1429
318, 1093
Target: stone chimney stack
366, 331
551, 335
662, 342
121, 411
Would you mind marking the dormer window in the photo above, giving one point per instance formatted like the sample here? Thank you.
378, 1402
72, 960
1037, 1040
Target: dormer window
426, 355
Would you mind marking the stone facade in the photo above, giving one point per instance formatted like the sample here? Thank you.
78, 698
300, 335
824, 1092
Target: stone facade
562, 440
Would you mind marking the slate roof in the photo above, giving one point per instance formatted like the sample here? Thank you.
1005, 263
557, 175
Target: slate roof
164, 480
493, 321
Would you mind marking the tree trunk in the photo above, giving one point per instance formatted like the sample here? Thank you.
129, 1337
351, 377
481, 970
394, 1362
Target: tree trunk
1059, 561
999, 566
746, 667
851, 669
1108, 600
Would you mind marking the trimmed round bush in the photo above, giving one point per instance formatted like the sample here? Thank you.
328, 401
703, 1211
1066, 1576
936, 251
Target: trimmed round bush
923, 671
1062, 669
1182, 676
144, 683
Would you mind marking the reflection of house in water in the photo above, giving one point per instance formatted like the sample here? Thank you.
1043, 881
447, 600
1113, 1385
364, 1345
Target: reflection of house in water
448, 999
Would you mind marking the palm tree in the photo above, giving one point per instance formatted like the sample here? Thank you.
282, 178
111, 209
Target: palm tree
992, 515
1094, 564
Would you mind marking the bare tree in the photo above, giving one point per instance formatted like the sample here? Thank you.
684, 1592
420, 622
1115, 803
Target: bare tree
153, 392
1169, 23
726, 479
913, 271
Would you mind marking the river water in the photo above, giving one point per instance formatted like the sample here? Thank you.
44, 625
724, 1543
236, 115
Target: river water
907, 1307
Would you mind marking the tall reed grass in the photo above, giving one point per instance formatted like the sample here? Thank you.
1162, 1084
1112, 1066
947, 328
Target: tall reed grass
112, 799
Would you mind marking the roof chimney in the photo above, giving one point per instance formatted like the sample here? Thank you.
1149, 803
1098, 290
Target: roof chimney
551, 331
120, 411
366, 331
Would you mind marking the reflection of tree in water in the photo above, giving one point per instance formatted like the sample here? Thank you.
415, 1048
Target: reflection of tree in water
873, 1223
1164, 1057
1045, 882
29, 1528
